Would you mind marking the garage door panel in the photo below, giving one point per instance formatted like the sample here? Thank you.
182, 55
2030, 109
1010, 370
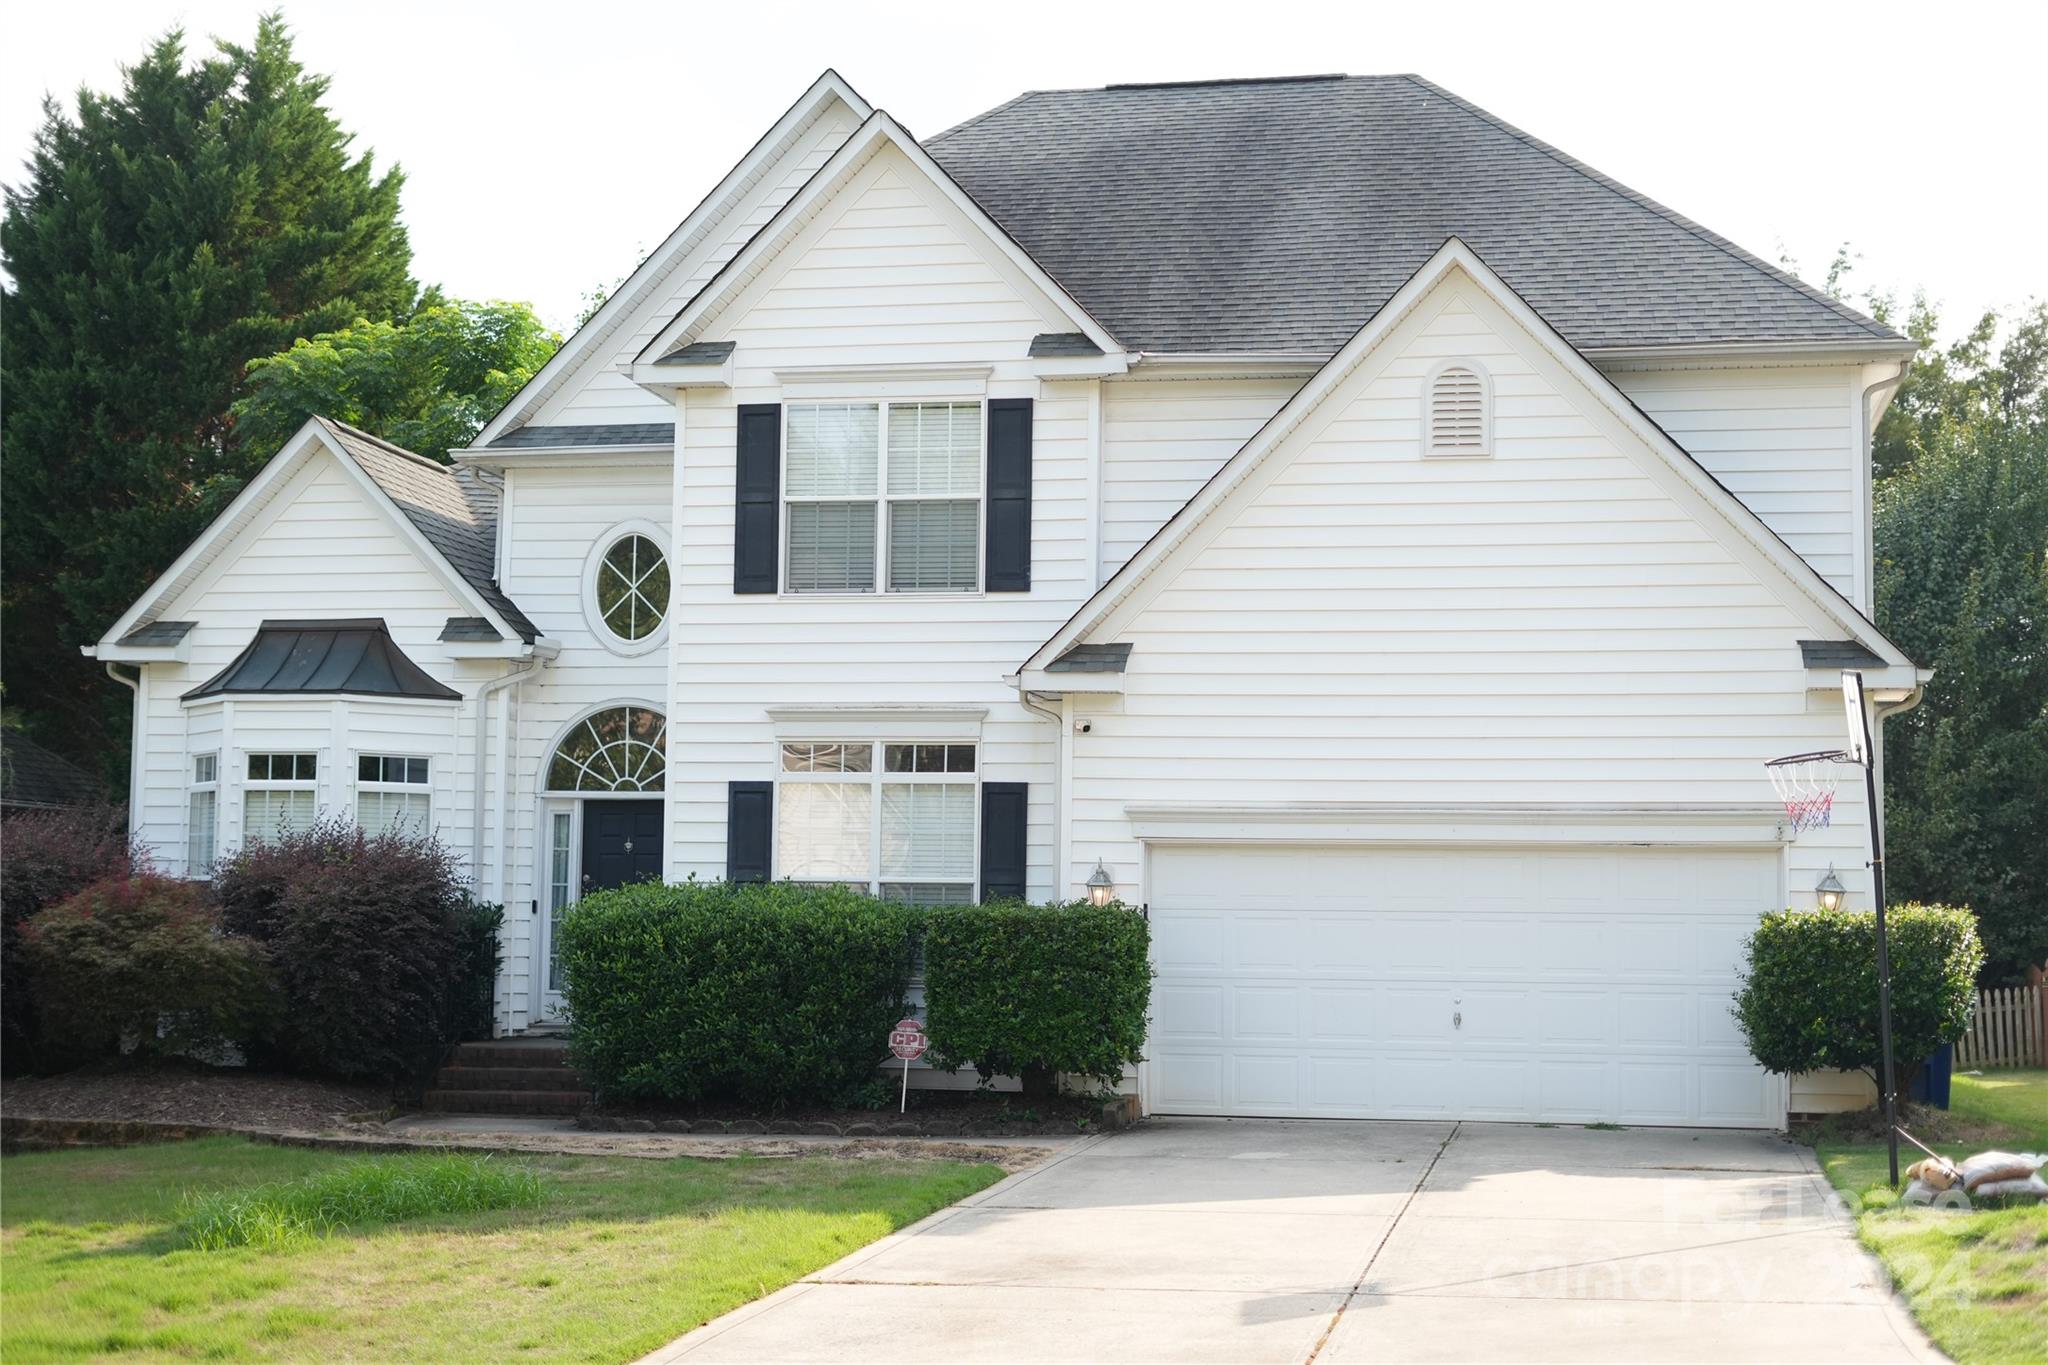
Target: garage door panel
1380, 983
1265, 1014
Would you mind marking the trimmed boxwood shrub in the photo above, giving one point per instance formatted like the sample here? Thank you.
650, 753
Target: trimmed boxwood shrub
1035, 990
141, 965
768, 993
373, 941
1808, 1000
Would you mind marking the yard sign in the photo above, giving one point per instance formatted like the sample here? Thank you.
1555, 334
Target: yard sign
907, 1041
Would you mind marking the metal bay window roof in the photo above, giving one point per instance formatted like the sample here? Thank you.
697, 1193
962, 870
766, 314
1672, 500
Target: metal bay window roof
301, 657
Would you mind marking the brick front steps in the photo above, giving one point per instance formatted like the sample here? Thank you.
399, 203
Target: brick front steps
529, 1076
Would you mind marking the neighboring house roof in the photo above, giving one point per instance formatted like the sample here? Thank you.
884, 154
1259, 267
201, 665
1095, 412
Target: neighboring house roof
1770, 552
357, 656
621, 434
33, 778
1279, 215
455, 508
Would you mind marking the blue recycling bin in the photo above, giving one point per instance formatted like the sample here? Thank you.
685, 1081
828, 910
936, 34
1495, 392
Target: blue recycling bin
1930, 1082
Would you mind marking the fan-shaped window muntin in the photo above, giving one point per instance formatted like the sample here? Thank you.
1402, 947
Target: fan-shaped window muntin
632, 587
620, 749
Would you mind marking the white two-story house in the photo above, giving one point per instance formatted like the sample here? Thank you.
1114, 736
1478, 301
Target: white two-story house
1385, 547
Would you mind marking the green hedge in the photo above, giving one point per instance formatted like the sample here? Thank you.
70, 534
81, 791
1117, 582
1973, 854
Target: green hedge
771, 994
1809, 987
1035, 990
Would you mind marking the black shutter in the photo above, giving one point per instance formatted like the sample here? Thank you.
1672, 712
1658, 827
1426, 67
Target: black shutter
749, 814
1009, 495
1005, 814
757, 491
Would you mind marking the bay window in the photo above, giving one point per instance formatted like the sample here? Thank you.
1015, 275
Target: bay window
202, 823
883, 497
894, 819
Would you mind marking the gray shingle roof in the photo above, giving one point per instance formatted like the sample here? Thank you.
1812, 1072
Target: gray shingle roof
1092, 659
698, 353
621, 434
1049, 345
157, 633
355, 656
1280, 215
469, 630
456, 509
1837, 654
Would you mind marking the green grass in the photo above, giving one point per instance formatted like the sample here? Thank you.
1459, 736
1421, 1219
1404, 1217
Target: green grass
358, 1194
615, 1257
1978, 1281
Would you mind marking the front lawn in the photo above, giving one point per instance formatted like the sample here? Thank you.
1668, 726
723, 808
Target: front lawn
1978, 1281
620, 1255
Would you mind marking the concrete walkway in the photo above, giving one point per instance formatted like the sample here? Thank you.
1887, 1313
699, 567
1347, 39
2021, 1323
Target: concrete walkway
1249, 1240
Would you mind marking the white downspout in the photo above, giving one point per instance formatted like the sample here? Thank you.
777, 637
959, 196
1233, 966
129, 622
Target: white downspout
1062, 872
135, 742
483, 709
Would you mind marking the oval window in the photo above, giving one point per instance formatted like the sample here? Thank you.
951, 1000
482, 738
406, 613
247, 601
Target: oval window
632, 587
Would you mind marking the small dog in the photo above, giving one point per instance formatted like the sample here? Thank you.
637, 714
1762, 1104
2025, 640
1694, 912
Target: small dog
1936, 1172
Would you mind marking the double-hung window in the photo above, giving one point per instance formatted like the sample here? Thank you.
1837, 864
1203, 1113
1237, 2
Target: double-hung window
893, 819
202, 821
393, 794
883, 497
281, 795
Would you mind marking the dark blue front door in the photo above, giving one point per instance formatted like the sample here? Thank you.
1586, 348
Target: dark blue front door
621, 843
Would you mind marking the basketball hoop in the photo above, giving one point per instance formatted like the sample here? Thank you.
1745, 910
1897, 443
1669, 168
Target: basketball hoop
1806, 784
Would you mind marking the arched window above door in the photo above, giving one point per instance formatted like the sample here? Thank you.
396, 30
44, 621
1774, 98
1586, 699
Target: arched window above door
619, 749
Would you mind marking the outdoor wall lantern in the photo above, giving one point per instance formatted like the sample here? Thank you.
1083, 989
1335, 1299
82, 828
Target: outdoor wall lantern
1830, 890
1101, 886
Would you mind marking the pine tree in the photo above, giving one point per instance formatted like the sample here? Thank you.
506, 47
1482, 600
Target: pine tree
165, 235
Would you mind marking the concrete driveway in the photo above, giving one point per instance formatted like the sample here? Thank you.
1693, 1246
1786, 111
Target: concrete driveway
1251, 1240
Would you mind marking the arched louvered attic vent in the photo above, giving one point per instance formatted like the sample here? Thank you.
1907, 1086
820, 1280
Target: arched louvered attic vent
1457, 415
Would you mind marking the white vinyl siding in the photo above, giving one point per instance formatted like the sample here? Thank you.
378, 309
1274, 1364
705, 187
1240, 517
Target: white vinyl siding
1784, 441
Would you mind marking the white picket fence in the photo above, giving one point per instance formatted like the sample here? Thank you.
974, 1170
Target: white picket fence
2005, 1031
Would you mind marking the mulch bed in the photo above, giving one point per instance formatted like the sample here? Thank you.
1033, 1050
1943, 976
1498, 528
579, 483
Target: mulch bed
931, 1113
191, 1094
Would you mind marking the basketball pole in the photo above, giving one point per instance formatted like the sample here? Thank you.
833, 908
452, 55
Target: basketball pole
1887, 1087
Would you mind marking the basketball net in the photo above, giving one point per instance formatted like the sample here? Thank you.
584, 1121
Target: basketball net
1805, 783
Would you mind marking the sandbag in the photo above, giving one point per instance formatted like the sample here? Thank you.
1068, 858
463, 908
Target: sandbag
1987, 1167
2033, 1187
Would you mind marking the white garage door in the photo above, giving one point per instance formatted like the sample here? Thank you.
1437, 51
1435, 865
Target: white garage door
1564, 985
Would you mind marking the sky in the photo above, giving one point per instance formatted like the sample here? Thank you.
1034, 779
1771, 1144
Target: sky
548, 146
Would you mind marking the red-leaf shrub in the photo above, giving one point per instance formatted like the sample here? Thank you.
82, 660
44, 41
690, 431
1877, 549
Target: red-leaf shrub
47, 857
372, 940
140, 965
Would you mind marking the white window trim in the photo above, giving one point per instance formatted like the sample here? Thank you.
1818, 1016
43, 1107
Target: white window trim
1430, 449
425, 788
594, 618
195, 788
882, 498
876, 779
